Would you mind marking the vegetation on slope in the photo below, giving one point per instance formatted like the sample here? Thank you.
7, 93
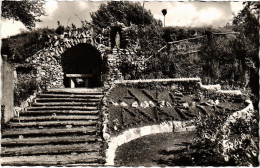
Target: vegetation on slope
167, 105
24, 45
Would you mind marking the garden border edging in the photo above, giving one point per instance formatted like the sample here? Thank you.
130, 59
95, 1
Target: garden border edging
25, 104
135, 133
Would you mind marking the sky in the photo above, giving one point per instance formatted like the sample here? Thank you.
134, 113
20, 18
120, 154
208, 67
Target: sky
191, 14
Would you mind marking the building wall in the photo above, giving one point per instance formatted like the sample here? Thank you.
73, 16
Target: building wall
7, 98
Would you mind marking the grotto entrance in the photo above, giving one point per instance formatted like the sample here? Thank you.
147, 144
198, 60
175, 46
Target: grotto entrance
82, 66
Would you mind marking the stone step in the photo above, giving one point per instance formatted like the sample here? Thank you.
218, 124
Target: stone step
49, 140
66, 104
67, 99
50, 149
68, 112
75, 91
45, 95
51, 123
60, 128
46, 132
53, 160
85, 165
60, 108
55, 118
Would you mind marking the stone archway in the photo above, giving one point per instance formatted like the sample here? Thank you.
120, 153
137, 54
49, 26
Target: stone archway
83, 62
49, 60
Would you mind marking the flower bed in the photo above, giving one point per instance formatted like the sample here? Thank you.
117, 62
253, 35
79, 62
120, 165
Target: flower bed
135, 105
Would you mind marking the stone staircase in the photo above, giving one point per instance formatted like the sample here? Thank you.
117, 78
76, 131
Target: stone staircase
62, 127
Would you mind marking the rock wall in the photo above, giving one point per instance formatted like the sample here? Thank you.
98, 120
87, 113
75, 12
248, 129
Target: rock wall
48, 60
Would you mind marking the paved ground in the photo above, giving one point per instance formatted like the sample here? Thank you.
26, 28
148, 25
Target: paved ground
145, 151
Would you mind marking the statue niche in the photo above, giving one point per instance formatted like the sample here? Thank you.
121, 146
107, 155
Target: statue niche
116, 37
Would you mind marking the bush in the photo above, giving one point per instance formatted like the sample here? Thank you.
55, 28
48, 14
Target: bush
244, 141
234, 145
24, 90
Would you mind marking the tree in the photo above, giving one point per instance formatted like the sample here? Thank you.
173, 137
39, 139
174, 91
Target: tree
138, 30
247, 43
25, 11
124, 12
144, 41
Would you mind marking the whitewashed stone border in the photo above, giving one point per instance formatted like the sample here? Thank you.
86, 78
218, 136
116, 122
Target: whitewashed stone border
25, 104
134, 133
230, 92
216, 87
210, 87
157, 80
244, 114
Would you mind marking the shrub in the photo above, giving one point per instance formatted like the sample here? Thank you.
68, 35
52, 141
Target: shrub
24, 90
243, 145
234, 145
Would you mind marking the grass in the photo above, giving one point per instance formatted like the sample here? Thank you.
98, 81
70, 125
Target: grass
149, 150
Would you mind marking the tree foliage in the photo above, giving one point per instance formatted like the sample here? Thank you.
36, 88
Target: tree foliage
219, 59
234, 57
123, 12
171, 33
139, 31
144, 41
247, 43
25, 11
164, 12
236, 143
